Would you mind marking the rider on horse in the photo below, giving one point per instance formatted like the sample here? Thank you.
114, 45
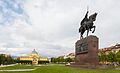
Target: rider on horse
84, 21
87, 24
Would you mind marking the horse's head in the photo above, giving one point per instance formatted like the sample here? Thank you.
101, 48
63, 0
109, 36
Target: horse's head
93, 17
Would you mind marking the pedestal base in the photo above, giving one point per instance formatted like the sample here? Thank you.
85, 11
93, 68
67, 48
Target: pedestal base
86, 54
86, 51
91, 66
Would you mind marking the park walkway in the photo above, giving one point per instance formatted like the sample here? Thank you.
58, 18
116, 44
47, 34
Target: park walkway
16, 69
7, 65
20, 70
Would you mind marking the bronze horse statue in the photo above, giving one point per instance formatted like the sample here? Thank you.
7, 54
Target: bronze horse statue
87, 24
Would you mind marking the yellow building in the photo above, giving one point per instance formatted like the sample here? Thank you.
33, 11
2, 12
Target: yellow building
33, 58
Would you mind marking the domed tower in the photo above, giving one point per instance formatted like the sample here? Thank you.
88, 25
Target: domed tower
34, 54
35, 57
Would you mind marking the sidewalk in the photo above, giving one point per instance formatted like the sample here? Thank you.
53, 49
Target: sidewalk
7, 65
20, 70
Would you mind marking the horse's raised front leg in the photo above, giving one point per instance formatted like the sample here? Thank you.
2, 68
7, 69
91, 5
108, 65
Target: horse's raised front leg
90, 29
81, 37
87, 32
94, 29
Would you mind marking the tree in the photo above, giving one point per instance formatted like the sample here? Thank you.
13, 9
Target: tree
111, 57
54, 60
2, 59
58, 60
118, 57
68, 60
62, 60
17, 60
6, 59
102, 56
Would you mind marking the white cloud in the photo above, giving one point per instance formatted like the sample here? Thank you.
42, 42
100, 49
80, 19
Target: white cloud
51, 26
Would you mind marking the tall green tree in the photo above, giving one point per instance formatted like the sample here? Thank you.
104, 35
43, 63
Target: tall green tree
118, 57
111, 57
68, 60
62, 60
17, 60
53, 60
2, 59
6, 59
102, 56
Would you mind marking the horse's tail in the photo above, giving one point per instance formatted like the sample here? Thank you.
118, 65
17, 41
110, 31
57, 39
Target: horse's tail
79, 30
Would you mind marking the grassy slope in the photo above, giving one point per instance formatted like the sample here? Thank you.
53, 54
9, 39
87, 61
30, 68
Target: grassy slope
63, 69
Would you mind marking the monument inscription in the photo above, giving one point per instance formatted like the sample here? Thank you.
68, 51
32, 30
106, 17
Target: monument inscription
82, 48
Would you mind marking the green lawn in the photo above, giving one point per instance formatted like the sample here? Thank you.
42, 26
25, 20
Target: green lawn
118, 67
58, 69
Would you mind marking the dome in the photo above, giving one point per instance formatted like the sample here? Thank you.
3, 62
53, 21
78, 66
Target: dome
34, 52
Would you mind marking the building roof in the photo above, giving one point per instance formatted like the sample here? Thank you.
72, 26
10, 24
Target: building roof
117, 45
61, 56
104, 49
100, 50
34, 52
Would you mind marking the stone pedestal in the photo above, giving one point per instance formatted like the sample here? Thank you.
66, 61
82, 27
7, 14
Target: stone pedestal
86, 54
87, 51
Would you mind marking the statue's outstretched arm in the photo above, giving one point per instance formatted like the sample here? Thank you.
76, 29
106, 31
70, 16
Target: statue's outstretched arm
86, 14
85, 18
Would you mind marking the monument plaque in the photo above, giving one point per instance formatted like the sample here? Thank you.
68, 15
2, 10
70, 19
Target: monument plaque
82, 48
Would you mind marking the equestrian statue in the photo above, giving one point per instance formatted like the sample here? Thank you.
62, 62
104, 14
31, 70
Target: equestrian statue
87, 24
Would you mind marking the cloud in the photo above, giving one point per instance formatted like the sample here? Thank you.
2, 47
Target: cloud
51, 26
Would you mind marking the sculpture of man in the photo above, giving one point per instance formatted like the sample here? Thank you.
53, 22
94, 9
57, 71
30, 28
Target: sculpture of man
85, 19
87, 24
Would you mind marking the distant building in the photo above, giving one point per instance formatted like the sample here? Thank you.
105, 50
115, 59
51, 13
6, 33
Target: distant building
116, 48
71, 55
33, 58
61, 56
113, 49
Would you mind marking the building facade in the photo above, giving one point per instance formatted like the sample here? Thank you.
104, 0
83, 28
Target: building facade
71, 55
113, 49
33, 58
105, 53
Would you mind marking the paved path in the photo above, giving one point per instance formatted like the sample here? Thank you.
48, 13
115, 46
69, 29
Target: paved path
20, 70
7, 65
117, 68
16, 69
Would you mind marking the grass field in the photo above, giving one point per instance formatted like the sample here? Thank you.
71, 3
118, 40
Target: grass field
56, 69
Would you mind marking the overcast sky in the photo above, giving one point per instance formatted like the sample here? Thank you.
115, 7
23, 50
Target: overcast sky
51, 26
